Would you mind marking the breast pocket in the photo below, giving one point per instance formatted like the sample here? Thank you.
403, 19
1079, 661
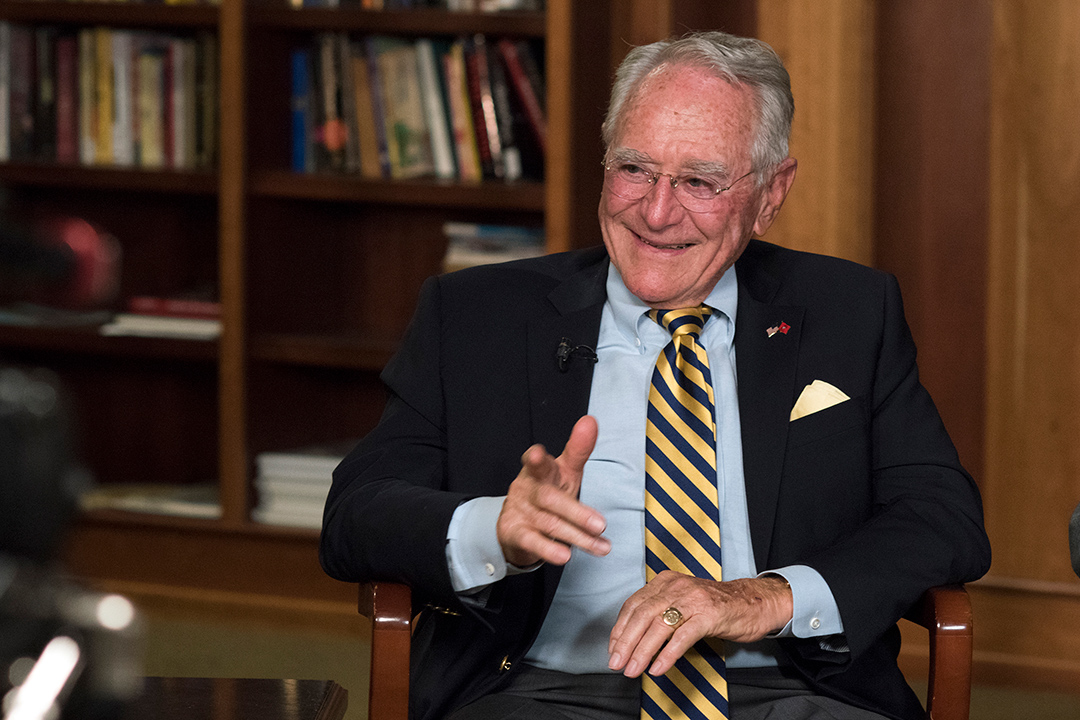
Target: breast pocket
824, 424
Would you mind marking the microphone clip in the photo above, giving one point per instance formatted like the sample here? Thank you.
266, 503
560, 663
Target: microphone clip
565, 352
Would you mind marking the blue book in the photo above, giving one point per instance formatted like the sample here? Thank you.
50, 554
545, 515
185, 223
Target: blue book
302, 157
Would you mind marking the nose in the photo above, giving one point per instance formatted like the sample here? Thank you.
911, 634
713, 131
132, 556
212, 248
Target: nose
660, 206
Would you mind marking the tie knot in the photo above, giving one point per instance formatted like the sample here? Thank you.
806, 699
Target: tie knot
683, 321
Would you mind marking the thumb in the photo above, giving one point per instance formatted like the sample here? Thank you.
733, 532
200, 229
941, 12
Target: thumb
580, 445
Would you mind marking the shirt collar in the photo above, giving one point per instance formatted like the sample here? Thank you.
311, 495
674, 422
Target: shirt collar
629, 311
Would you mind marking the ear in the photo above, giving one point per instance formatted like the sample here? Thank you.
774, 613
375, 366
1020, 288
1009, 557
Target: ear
773, 194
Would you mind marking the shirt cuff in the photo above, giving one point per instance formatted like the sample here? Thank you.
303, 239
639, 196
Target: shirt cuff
473, 553
814, 613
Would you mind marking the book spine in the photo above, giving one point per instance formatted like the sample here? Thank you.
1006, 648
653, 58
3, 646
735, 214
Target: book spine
5, 90
365, 120
206, 79
527, 95
487, 135
67, 99
45, 90
151, 107
87, 96
432, 91
21, 102
468, 155
123, 98
174, 307
300, 61
378, 111
347, 99
103, 146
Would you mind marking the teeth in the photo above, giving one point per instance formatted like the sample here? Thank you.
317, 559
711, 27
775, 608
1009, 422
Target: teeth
665, 247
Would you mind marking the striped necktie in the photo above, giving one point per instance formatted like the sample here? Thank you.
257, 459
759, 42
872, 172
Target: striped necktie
682, 530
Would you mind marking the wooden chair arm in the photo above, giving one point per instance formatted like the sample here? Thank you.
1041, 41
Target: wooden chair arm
388, 606
946, 612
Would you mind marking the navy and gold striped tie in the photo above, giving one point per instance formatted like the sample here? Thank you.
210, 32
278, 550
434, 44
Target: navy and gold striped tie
682, 524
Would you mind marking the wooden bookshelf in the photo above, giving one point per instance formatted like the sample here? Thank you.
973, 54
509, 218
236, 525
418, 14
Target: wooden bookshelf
317, 275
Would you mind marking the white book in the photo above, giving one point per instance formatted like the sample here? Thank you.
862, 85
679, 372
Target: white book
87, 97
127, 324
123, 97
435, 109
5, 90
314, 463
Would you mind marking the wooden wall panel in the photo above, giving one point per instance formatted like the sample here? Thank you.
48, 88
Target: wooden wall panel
1032, 478
932, 204
828, 47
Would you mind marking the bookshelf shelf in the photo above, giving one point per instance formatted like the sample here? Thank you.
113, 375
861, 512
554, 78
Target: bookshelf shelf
52, 175
524, 195
400, 22
43, 342
129, 15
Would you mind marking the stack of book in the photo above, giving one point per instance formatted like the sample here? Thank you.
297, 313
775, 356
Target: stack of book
107, 96
191, 317
292, 486
470, 244
391, 108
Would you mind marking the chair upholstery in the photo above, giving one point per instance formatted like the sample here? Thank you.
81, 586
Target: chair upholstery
944, 611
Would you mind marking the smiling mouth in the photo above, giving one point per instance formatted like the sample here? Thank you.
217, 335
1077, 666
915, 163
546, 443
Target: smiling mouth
659, 246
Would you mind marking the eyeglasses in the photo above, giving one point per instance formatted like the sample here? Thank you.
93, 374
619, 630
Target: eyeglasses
694, 192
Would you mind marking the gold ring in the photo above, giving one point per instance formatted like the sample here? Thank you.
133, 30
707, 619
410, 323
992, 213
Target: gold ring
671, 617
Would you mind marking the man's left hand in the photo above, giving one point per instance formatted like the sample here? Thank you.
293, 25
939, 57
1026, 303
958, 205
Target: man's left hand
741, 610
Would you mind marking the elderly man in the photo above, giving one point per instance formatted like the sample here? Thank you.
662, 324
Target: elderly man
751, 485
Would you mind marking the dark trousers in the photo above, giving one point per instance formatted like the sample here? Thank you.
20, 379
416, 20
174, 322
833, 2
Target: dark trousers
753, 694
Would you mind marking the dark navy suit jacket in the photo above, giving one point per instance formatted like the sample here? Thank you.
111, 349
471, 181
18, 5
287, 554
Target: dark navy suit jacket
869, 492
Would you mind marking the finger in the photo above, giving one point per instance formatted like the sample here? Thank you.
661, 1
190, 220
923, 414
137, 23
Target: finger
580, 445
654, 638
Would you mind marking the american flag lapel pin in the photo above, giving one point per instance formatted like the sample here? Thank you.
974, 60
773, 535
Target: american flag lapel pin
782, 328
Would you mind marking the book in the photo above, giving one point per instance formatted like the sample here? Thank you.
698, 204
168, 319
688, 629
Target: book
366, 136
348, 108
330, 128
206, 89
21, 93
5, 90
151, 107
483, 107
174, 306
407, 135
528, 94
103, 93
504, 117
182, 83
195, 501
45, 93
378, 102
123, 61
292, 485
135, 325
471, 244
433, 92
464, 133
87, 96
67, 99
300, 63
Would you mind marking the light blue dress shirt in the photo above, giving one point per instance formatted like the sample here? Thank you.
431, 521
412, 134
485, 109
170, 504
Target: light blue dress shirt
574, 636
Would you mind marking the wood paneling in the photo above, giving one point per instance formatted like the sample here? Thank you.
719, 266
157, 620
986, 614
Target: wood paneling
828, 48
931, 202
1033, 368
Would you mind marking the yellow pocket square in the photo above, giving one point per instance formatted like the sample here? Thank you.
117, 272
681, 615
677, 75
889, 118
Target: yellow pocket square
815, 397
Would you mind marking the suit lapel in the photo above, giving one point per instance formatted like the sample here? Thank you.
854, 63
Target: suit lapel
557, 397
766, 355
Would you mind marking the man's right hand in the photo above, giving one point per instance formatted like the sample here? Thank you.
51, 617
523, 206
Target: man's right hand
542, 518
